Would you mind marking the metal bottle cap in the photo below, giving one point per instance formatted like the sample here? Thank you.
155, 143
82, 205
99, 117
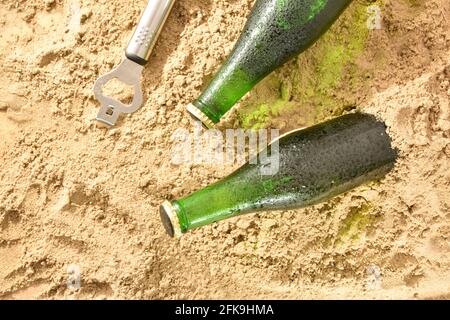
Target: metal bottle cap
170, 219
197, 114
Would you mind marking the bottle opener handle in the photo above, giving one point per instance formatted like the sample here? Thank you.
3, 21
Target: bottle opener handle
148, 29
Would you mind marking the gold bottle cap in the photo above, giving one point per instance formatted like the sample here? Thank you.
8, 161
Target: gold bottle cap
199, 115
170, 219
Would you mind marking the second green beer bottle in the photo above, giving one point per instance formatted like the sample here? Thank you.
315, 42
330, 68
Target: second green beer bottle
314, 164
276, 31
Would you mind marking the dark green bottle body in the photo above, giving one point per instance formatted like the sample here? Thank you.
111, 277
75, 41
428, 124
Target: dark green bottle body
276, 31
315, 164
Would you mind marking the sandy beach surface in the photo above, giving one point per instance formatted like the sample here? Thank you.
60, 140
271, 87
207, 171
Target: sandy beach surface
75, 196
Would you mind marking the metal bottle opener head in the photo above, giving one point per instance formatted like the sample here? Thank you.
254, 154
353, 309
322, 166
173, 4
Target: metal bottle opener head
137, 55
129, 73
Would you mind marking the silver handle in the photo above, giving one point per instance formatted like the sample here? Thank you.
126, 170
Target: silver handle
147, 31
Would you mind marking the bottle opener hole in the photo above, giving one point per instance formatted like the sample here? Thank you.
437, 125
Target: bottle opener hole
110, 111
118, 90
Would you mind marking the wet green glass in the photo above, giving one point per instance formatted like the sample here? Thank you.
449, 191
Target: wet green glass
315, 164
276, 31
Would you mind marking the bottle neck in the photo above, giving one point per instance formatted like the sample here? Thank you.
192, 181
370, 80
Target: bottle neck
222, 200
245, 191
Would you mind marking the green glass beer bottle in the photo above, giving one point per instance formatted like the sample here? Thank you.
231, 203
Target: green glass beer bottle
276, 31
314, 164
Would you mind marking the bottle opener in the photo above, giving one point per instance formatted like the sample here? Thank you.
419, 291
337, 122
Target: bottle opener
137, 55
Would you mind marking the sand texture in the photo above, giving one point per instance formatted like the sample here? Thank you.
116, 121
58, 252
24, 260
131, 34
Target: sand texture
72, 193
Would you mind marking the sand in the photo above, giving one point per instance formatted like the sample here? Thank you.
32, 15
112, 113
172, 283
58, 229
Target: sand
74, 196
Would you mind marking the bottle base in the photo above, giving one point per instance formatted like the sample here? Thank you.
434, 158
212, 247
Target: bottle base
170, 220
197, 114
